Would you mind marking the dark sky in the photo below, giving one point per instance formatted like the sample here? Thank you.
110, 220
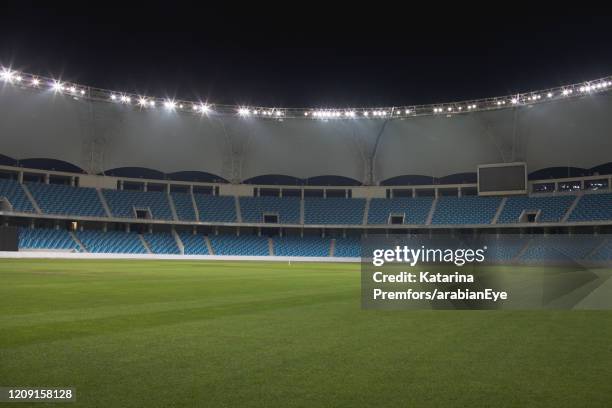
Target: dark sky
306, 57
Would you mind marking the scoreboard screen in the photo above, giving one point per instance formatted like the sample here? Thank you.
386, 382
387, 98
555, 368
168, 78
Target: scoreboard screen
503, 178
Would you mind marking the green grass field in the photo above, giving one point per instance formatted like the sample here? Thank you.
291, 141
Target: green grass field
216, 334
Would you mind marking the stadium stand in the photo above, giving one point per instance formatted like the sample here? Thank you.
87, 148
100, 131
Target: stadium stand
12, 191
162, 243
603, 253
124, 203
552, 209
66, 200
287, 209
184, 206
465, 210
49, 239
297, 246
194, 244
111, 242
320, 211
560, 248
347, 248
249, 245
593, 207
216, 208
414, 210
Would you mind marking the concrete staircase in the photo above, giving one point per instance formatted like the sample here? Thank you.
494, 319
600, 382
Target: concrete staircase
27, 192
104, 203
208, 245
238, 212
78, 241
270, 247
172, 207
145, 244
571, 208
432, 210
366, 211
302, 212
179, 242
499, 210
195, 206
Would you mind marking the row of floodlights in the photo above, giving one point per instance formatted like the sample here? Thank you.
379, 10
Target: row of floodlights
10, 76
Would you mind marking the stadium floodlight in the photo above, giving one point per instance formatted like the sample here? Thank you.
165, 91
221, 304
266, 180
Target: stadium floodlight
125, 99
204, 108
35, 81
18, 78
244, 111
7, 75
407, 111
142, 102
113, 97
550, 94
152, 103
72, 89
57, 86
82, 92
514, 101
170, 104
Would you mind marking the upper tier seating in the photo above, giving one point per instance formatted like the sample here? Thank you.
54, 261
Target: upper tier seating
216, 208
52, 239
465, 210
254, 208
347, 248
183, 206
297, 246
552, 209
194, 243
111, 242
562, 248
320, 211
123, 203
415, 210
248, 245
161, 243
13, 192
67, 200
593, 207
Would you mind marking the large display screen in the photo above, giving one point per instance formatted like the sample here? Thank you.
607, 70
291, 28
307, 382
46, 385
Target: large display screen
507, 178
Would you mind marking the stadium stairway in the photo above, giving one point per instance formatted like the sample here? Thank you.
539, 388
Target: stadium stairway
104, 203
31, 198
145, 244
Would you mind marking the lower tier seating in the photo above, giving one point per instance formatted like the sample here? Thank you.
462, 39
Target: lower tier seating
161, 243
112, 242
49, 239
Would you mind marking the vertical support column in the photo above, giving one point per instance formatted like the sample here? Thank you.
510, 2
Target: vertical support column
146, 186
47, 178
20, 177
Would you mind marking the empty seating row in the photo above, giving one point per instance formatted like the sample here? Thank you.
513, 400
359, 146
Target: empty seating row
111, 242
49, 239
247, 245
413, 210
325, 211
193, 244
593, 207
465, 210
286, 209
67, 200
12, 191
551, 209
126, 203
161, 243
183, 205
297, 246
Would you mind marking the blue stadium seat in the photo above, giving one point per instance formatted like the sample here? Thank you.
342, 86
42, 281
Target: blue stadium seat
52, 239
216, 208
552, 208
161, 243
297, 246
111, 242
184, 206
321, 211
13, 192
415, 210
287, 209
247, 245
67, 200
593, 207
465, 210
194, 244
347, 248
123, 203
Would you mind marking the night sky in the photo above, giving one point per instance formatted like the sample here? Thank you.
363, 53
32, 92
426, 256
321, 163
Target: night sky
306, 58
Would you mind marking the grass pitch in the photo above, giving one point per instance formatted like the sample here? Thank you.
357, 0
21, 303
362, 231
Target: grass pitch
165, 334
